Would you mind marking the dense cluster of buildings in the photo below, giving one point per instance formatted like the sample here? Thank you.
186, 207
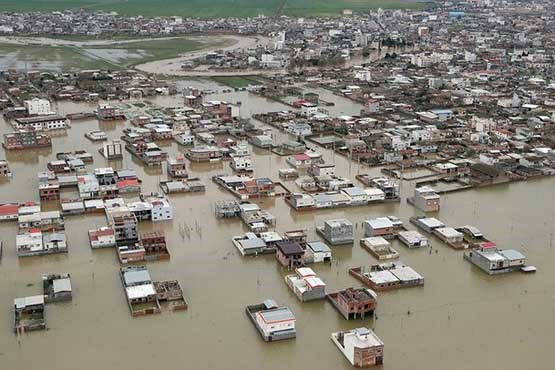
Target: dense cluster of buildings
454, 97
19, 88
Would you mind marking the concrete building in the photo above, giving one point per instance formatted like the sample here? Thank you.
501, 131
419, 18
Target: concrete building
413, 239
354, 303
338, 231
317, 252
41, 123
29, 243
57, 287
5, 169
125, 227
139, 290
241, 163
272, 321
361, 346
37, 107
112, 150
176, 167
103, 237
495, 261
381, 226
290, 254
306, 285
26, 140
29, 314
426, 199
161, 209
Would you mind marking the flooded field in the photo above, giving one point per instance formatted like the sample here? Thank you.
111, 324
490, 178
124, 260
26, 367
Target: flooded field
460, 319
55, 54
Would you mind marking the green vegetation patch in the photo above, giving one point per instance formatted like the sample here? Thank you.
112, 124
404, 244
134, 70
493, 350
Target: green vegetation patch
236, 81
211, 8
336, 7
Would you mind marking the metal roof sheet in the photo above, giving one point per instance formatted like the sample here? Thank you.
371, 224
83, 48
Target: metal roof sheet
278, 314
62, 285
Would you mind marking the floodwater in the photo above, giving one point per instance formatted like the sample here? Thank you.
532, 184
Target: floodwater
20, 60
116, 55
461, 319
172, 66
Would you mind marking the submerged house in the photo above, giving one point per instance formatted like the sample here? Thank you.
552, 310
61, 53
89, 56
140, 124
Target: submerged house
413, 239
290, 254
317, 252
361, 346
57, 287
450, 236
379, 247
103, 237
495, 261
176, 166
306, 285
425, 199
139, 290
337, 231
272, 321
354, 303
381, 226
387, 276
144, 296
29, 314
250, 244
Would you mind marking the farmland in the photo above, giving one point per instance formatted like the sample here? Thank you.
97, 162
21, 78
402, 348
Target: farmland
212, 8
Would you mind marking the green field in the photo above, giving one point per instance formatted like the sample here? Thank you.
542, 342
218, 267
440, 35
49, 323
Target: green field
211, 8
236, 81
112, 56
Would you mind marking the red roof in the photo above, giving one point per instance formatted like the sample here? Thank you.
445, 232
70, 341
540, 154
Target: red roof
94, 234
8, 209
488, 245
301, 157
298, 103
128, 182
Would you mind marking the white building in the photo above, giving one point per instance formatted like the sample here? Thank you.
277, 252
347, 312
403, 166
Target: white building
161, 209
241, 163
309, 109
363, 75
275, 320
112, 150
185, 138
361, 346
413, 239
356, 195
41, 123
38, 107
299, 129
103, 237
88, 186
374, 194
29, 243
484, 125
426, 199
317, 252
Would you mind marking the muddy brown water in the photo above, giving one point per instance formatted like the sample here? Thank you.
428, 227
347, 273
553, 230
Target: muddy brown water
461, 319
